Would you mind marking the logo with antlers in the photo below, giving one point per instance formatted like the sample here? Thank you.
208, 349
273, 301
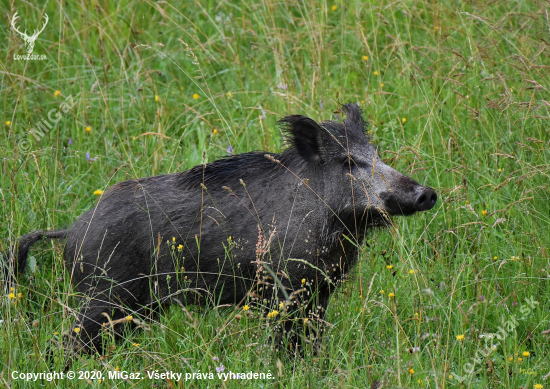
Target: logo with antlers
29, 40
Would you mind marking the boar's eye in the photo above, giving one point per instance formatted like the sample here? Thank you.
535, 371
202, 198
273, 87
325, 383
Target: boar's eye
354, 164
349, 164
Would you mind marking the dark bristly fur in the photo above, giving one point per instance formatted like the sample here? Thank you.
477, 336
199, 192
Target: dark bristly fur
256, 227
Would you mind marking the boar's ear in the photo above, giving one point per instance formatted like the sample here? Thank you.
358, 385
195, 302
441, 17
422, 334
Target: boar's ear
306, 135
354, 118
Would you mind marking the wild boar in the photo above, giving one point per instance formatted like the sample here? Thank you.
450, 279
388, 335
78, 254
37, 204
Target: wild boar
273, 230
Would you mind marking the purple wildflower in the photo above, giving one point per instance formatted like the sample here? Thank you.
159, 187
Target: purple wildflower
220, 368
321, 104
89, 159
229, 149
215, 359
481, 298
70, 141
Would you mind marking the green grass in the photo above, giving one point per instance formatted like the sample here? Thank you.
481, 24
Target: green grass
470, 78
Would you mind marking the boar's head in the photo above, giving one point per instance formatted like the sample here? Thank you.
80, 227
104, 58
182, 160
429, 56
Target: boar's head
364, 188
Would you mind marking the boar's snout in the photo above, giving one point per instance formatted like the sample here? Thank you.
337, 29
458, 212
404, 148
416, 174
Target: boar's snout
398, 194
405, 203
425, 200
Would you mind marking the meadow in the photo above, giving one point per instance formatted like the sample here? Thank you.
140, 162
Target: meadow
457, 97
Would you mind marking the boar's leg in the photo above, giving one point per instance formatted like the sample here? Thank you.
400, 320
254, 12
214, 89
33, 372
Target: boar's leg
315, 313
108, 309
308, 305
305, 321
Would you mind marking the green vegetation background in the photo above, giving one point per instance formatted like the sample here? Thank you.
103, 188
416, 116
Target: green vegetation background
457, 96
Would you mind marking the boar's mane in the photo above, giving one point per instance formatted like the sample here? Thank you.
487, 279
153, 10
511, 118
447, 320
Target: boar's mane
333, 138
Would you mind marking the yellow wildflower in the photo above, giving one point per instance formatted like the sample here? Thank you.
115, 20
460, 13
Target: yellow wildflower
136, 344
303, 281
404, 120
511, 359
520, 359
156, 98
98, 192
411, 271
12, 295
389, 267
174, 239
382, 292
305, 320
19, 295
129, 318
229, 94
180, 247
411, 371
538, 386
57, 93
8, 123
526, 354
484, 213
195, 96
391, 295
460, 337
246, 307
88, 129
376, 73
495, 258
272, 314
76, 330
381, 85
334, 7
365, 58
450, 376
214, 131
